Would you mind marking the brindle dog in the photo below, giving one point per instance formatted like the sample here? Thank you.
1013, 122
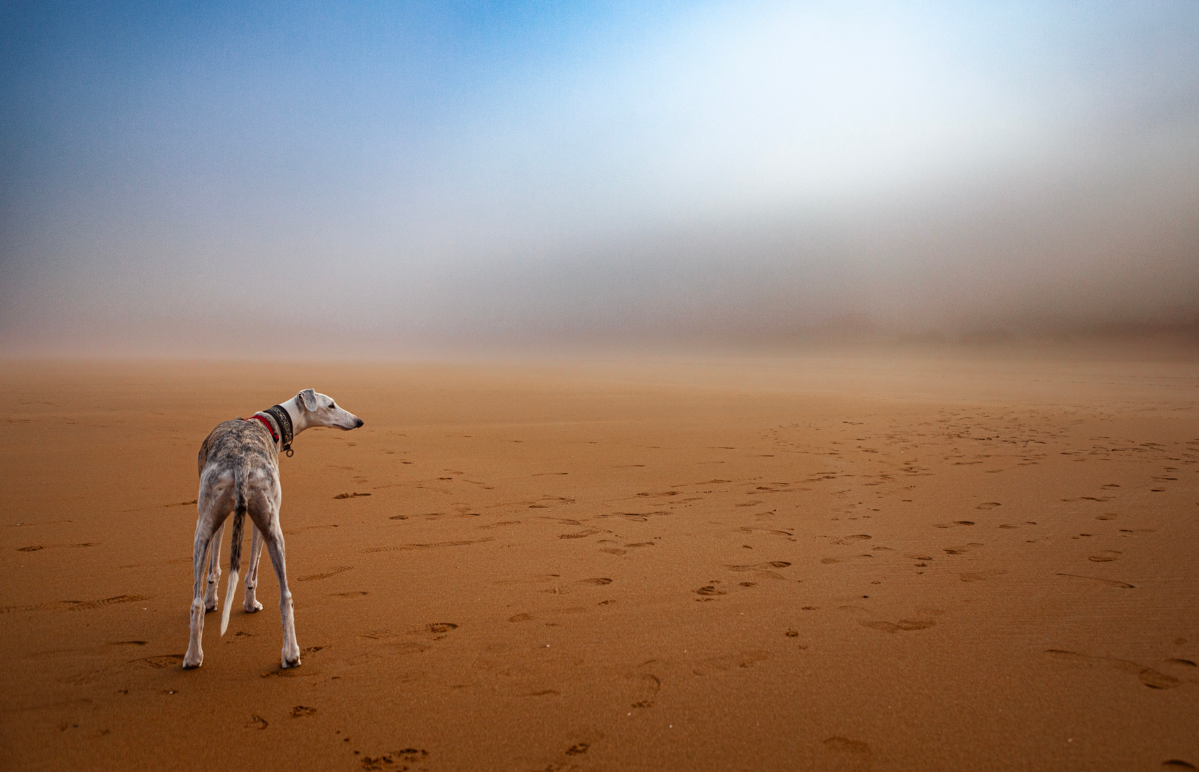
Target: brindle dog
239, 475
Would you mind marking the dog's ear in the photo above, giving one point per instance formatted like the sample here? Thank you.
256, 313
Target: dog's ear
307, 398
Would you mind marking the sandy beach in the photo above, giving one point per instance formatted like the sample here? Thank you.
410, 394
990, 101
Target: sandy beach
825, 562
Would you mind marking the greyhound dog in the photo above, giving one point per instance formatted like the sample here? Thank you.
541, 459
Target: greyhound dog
239, 475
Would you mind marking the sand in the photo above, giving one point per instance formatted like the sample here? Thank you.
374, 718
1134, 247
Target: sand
817, 562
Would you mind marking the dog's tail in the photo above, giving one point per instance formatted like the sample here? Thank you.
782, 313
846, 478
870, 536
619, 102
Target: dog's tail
239, 516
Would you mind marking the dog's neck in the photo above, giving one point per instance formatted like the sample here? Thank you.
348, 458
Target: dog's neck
300, 420
298, 416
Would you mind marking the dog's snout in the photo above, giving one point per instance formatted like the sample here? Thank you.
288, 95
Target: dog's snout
358, 422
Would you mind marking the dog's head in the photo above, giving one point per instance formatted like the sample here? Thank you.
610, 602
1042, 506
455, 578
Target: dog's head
321, 410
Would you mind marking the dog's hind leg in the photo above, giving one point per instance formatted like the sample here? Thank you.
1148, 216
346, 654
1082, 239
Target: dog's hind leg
273, 536
251, 605
195, 651
214, 569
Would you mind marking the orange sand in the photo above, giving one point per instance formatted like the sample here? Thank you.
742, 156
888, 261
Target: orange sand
814, 563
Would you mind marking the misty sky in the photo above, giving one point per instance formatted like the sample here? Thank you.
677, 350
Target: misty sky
396, 178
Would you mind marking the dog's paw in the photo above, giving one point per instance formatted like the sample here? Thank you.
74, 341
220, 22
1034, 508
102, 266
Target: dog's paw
210, 606
192, 661
251, 606
291, 654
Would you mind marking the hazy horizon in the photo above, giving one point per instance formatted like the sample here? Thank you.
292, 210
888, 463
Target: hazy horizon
394, 179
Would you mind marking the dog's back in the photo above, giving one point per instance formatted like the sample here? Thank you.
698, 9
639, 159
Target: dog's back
238, 443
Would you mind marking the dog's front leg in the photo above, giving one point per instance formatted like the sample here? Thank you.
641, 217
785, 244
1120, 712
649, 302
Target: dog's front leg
251, 605
214, 569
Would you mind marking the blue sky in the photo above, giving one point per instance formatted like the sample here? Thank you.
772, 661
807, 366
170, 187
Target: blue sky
402, 178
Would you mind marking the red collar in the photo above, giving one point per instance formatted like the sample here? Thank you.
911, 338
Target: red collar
266, 423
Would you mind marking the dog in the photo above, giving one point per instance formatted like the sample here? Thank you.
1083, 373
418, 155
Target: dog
239, 475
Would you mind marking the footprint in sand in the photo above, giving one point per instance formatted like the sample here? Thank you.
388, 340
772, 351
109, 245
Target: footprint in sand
392, 760
161, 661
845, 745
762, 570
325, 575
257, 722
583, 534
547, 502
302, 711
645, 688
1172, 765
953, 524
388, 639
1104, 556
403, 547
851, 539
89, 605
637, 517
773, 532
1152, 678
710, 591
979, 576
1108, 582
440, 627
842, 753
900, 626
730, 662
